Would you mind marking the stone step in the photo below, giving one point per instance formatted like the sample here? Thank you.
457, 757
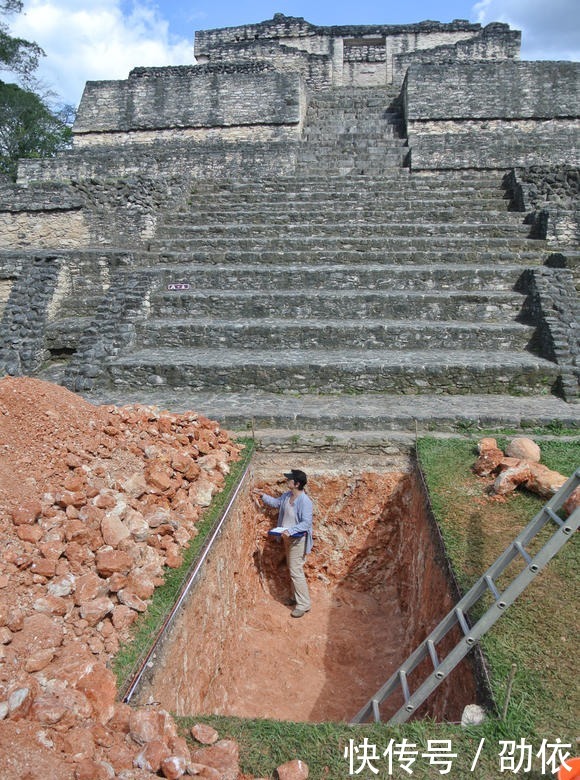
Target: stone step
347, 169
375, 185
388, 243
434, 305
347, 190
276, 333
369, 413
337, 230
356, 91
344, 195
332, 154
331, 161
357, 188
78, 303
364, 118
333, 276
345, 133
331, 146
441, 178
282, 214
382, 109
334, 371
387, 101
364, 104
467, 253
221, 210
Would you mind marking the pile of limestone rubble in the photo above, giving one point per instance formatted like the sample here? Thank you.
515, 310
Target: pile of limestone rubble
520, 465
94, 503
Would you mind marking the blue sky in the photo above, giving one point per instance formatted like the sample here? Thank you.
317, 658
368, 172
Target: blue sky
104, 39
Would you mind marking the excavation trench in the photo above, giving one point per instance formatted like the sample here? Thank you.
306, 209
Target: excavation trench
379, 585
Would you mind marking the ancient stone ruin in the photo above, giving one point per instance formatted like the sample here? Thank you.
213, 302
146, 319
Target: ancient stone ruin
345, 228
313, 227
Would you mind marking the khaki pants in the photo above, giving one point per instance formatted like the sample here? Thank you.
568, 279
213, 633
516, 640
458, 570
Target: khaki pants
295, 557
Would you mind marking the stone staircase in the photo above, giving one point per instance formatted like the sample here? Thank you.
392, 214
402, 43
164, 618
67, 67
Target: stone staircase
347, 286
350, 130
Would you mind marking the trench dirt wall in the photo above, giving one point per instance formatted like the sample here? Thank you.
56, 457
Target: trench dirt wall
377, 588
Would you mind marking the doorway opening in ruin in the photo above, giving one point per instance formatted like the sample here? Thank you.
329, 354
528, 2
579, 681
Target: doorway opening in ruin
379, 585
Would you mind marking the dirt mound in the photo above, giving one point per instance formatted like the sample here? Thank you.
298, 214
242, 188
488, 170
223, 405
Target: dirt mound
95, 502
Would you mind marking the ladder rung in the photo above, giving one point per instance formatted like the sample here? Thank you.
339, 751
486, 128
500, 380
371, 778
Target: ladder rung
491, 585
523, 552
433, 653
404, 685
462, 621
554, 516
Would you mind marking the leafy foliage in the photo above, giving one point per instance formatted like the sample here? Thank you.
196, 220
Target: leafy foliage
16, 54
28, 128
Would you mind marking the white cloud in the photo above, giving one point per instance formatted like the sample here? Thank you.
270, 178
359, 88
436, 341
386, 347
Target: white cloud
97, 41
549, 28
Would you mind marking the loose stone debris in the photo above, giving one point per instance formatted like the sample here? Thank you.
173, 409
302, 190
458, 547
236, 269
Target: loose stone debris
519, 466
94, 503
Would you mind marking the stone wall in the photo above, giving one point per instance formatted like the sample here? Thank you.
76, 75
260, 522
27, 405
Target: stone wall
553, 305
280, 27
50, 299
314, 38
124, 213
552, 197
161, 159
112, 328
44, 230
492, 115
25, 313
210, 96
361, 55
43, 217
495, 42
90, 212
316, 69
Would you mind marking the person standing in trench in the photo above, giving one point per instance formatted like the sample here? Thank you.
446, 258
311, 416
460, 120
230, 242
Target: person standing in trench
295, 516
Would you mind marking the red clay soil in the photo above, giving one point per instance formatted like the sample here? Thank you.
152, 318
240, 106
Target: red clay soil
376, 589
94, 503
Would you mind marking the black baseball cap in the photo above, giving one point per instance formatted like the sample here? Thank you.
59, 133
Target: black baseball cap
297, 475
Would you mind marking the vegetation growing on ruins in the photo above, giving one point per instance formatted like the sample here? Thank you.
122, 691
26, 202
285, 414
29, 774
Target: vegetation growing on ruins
29, 127
536, 634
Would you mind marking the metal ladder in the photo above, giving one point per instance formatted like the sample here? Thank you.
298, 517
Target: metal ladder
457, 617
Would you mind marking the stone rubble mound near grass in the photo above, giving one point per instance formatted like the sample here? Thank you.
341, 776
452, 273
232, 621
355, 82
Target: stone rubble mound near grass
520, 465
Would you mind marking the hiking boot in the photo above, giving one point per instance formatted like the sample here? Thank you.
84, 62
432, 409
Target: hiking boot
299, 612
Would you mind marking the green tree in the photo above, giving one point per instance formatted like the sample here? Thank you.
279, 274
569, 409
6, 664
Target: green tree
16, 54
29, 127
